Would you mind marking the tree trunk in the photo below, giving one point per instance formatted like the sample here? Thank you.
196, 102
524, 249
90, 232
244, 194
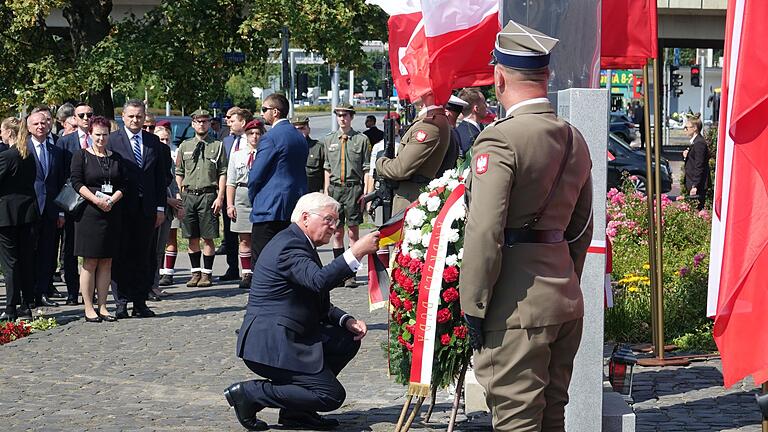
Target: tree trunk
88, 25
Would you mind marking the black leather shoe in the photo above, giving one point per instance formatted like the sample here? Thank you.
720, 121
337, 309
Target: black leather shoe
54, 293
229, 276
97, 319
244, 410
142, 311
45, 301
107, 317
307, 420
153, 297
71, 301
121, 312
24, 313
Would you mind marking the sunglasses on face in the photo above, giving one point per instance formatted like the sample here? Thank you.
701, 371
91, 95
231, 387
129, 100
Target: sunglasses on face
149, 127
85, 115
266, 108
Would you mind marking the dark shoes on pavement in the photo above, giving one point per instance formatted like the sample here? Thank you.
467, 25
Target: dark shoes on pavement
245, 282
54, 293
229, 276
141, 311
305, 420
45, 301
71, 301
244, 409
121, 312
12, 314
165, 280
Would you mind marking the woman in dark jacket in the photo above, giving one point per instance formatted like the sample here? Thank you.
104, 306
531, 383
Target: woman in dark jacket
18, 215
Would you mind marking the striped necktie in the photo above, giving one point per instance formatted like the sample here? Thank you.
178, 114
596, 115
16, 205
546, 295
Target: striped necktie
237, 143
137, 151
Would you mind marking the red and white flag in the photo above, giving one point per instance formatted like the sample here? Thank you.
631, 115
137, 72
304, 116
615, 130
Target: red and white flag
738, 294
440, 45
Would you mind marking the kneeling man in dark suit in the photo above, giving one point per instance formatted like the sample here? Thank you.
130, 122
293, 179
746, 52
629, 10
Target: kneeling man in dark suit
292, 334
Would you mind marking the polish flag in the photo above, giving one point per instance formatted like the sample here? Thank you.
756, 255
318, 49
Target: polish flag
447, 48
738, 297
628, 33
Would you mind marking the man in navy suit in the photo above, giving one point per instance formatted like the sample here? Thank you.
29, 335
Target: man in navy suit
71, 144
277, 178
48, 182
237, 118
291, 333
475, 110
148, 166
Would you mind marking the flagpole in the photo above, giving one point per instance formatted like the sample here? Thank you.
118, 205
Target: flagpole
659, 226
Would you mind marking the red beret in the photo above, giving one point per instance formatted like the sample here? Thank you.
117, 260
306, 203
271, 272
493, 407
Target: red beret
164, 123
254, 124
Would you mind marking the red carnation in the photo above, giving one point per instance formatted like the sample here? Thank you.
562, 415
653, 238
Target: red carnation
450, 295
395, 300
411, 328
407, 284
403, 260
402, 341
451, 274
399, 318
396, 274
415, 266
443, 315
445, 339
409, 346
460, 332
408, 305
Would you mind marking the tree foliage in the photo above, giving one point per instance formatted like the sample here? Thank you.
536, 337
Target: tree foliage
180, 46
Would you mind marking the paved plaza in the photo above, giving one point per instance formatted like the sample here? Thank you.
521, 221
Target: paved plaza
168, 373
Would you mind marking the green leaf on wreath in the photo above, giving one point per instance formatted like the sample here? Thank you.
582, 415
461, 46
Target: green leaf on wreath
406, 336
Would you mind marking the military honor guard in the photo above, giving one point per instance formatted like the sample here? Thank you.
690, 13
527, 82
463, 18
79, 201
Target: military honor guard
348, 154
529, 225
316, 158
201, 175
420, 155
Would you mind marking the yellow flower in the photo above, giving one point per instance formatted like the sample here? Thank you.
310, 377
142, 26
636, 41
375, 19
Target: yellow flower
646, 266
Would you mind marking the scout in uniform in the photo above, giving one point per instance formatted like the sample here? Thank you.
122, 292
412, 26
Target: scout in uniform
529, 224
347, 159
316, 158
201, 175
420, 155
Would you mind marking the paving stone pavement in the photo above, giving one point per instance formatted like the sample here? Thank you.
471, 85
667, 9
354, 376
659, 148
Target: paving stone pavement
169, 372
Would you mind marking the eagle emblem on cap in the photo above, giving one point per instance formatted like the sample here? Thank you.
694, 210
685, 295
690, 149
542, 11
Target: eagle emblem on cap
481, 163
421, 136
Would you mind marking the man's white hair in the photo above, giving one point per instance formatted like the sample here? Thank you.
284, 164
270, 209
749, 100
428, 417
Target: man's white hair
311, 202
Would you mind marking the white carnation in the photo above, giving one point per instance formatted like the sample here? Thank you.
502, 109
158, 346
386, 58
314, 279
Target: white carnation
461, 213
451, 260
449, 174
436, 183
432, 222
425, 239
453, 184
453, 235
433, 203
461, 254
415, 217
404, 249
423, 197
412, 236
417, 254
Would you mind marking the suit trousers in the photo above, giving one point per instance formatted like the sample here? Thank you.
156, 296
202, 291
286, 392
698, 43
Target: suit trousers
297, 391
162, 239
262, 233
45, 257
134, 269
526, 373
231, 243
17, 259
71, 275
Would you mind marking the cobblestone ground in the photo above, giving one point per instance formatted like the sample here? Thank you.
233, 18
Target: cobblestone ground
169, 372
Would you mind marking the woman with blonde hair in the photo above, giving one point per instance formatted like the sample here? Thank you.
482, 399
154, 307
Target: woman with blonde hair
18, 215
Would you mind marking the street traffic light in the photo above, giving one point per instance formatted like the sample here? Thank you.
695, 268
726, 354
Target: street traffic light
675, 80
696, 75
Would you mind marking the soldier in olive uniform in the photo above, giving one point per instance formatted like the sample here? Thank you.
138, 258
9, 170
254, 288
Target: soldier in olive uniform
316, 158
347, 160
529, 225
201, 175
421, 153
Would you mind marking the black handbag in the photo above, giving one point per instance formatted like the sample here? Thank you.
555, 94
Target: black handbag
70, 200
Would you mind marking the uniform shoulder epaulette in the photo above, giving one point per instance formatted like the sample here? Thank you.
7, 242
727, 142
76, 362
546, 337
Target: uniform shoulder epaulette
495, 122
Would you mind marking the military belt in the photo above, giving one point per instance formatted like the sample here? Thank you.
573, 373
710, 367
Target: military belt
347, 183
513, 236
201, 191
241, 184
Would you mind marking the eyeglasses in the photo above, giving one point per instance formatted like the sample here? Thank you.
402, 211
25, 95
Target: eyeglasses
266, 108
85, 114
149, 127
201, 121
328, 219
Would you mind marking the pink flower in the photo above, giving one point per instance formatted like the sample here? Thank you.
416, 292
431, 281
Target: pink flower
684, 271
684, 206
612, 192
698, 258
618, 199
704, 215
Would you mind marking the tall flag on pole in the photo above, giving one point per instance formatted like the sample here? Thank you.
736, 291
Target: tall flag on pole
629, 34
448, 46
738, 298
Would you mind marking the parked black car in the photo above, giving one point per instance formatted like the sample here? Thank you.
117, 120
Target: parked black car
624, 160
622, 126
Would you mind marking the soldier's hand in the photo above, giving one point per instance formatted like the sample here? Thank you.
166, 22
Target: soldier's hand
368, 244
475, 326
216, 206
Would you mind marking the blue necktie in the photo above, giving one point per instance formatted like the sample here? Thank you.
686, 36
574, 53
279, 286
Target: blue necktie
137, 151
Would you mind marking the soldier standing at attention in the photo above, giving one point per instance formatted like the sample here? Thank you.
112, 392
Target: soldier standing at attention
347, 159
201, 175
316, 158
421, 153
529, 224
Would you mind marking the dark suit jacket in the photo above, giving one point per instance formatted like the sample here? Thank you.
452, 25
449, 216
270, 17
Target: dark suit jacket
3, 146
467, 134
288, 301
18, 202
229, 142
374, 135
697, 166
55, 179
70, 145
278, 178
154, 175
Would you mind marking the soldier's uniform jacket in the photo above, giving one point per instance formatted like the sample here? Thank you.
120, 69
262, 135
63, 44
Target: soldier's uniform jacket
419, 157
514, 165
347, 162
315, 163
204, 171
